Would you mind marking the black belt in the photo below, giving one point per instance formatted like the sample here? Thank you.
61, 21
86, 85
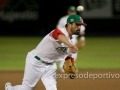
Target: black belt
47, 63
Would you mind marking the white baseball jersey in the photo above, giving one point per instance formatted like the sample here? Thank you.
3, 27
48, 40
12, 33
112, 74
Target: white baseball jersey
50, 49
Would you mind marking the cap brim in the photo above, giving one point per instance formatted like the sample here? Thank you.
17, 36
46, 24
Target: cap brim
81, 23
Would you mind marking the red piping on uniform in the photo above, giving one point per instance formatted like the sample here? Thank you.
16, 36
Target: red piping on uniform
71, 37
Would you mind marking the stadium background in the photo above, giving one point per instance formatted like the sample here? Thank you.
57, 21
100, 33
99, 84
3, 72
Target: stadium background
24, 22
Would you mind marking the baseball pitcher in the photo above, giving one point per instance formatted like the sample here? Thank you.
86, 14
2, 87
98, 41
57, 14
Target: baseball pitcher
41, 61
81, 42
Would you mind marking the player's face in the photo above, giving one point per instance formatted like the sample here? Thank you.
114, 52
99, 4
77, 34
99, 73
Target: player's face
75, 28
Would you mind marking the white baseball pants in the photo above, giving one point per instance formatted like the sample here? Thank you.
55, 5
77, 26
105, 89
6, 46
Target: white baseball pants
36, 70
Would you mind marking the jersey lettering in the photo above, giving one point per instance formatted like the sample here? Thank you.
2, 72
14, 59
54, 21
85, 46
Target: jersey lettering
62, 49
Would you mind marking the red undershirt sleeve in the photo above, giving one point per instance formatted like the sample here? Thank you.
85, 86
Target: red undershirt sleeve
72, 59
56, 32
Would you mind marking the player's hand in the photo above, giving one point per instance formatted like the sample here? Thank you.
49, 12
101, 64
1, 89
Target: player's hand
73, 48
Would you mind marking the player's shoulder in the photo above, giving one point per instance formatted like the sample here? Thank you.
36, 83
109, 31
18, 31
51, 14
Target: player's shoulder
62, 30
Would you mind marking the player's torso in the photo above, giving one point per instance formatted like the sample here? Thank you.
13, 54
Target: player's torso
51, 50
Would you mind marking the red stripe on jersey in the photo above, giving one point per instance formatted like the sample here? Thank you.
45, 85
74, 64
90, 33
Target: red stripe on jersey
56, 32
71, 37
72, 60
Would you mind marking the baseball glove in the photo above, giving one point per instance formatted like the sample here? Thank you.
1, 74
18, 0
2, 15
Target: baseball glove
70, 68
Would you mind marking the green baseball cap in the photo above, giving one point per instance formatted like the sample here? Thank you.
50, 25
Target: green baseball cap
75, 19
71, 8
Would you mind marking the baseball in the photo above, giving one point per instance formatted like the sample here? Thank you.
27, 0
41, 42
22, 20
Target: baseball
80, 8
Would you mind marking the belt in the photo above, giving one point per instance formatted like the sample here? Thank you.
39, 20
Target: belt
47, 63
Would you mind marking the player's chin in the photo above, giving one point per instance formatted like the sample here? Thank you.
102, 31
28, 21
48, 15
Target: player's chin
77, 32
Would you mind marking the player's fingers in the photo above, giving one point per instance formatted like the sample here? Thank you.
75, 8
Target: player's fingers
73, 50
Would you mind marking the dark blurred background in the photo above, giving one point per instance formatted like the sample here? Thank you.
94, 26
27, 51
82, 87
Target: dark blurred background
39, 17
